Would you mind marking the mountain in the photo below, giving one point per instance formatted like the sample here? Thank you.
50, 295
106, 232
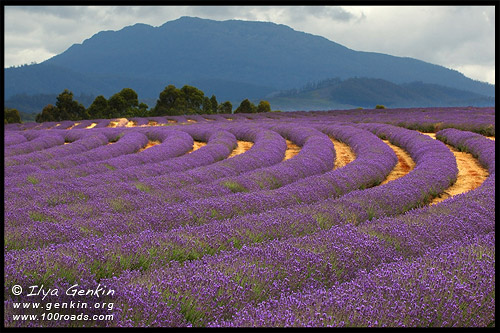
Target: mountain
368, 92
231, 59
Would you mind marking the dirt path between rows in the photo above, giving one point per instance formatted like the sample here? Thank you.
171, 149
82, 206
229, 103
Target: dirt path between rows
291, 150
197, 145
242, 147
470, 174
149, 145
405, 163
344, 154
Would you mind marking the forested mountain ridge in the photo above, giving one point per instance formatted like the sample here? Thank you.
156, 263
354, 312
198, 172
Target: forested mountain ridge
231, 59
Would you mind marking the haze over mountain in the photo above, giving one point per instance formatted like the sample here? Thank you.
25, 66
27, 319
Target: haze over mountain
231, 59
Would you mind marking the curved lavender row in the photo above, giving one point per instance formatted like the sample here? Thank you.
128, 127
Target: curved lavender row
480, 147
28, 126
166, 158
12, 127
313, 261
101, 123
65, 124
241, 278
374, 161
129, 143
13, 138
159, 120
316, 156
450, 286
139, 121
197, 118
217, 235
35, 134
58, 151
45, 141
83, 124
216, 117
173, 144
18, 165
178, 119
55, 125
269, 148
97, 186
310, 161
295, 261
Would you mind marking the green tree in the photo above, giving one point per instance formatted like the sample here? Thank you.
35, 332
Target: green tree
173, 101
130, 97
117, 106
206, 106
140, 111
99, 108
49, 113
215, 104
166, 102
264, 106
68, 109
11, 116
246, 107
194, 99
143, 110
225, 107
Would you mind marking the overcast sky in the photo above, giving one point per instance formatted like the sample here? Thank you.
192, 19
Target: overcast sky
457, 37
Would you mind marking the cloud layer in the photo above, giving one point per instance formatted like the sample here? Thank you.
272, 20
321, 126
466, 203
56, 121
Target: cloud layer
457, 37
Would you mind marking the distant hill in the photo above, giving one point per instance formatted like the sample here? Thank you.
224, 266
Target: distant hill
231, 59
368, 92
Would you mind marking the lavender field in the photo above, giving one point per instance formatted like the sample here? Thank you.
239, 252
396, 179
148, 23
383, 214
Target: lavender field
338, 218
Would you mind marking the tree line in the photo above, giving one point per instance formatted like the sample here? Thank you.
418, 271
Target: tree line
172, 101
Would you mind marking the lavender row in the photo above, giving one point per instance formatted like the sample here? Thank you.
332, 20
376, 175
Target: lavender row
45, 141
55, 193
135, 301
13, 138
372, 157
452, 286
435, 170
242, 278
127, 144
476, 144
316, 157
374, 161
113, 135
275, 224
308, 138
21, 164
268, 149
479, 120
